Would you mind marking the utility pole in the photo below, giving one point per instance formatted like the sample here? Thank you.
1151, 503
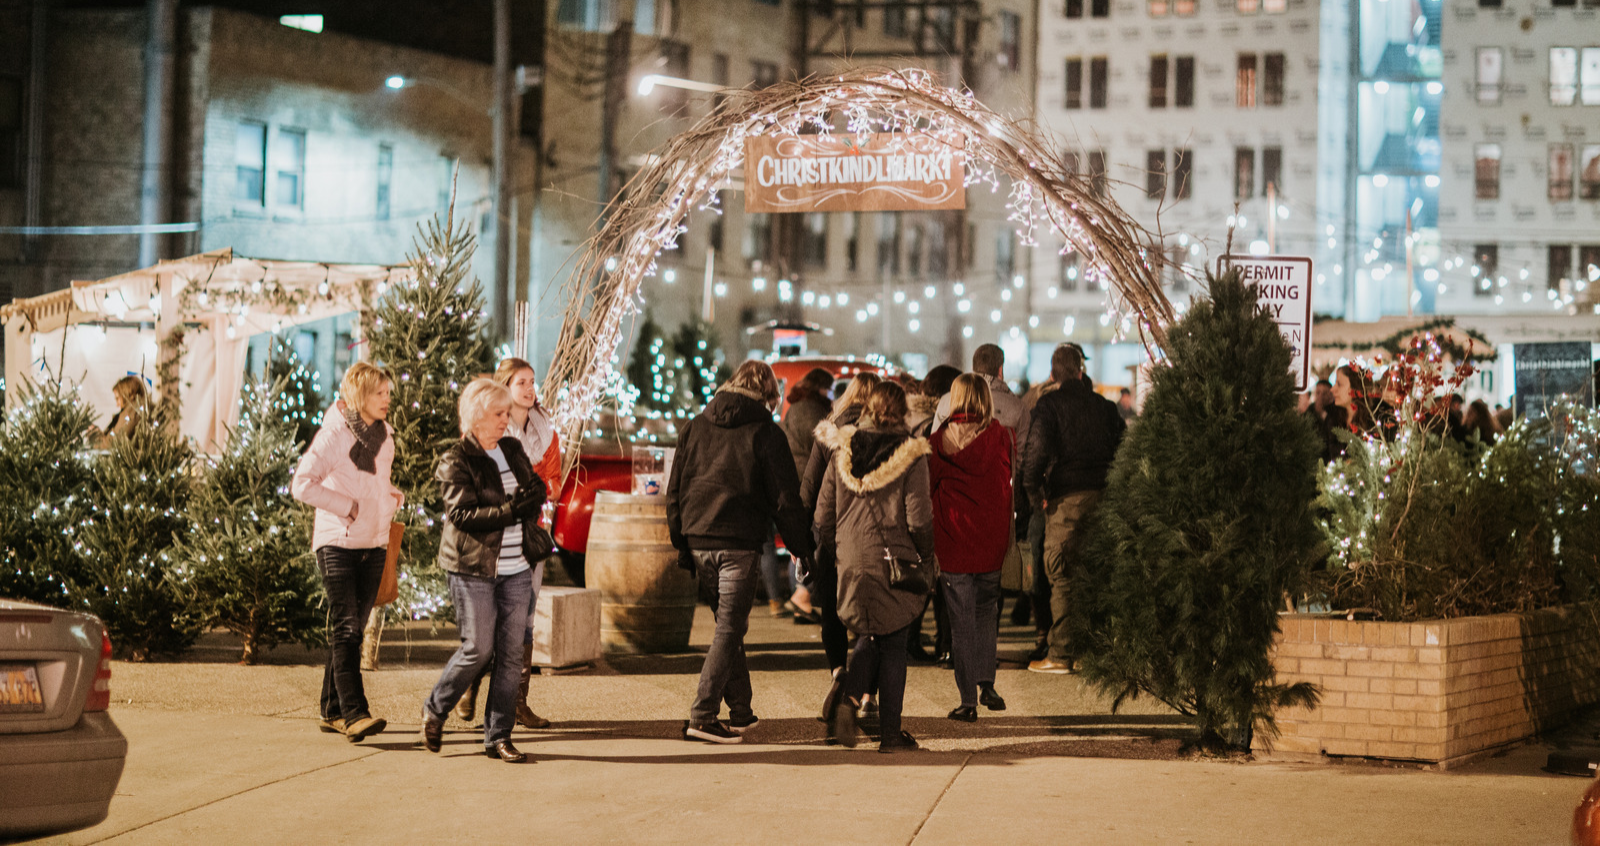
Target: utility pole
161, 21
505, 224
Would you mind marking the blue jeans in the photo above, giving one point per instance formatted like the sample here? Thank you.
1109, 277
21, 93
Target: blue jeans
728, 575
350, 577
973, 600
492, 614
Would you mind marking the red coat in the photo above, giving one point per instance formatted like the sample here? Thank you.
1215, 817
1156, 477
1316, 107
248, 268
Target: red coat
972, 501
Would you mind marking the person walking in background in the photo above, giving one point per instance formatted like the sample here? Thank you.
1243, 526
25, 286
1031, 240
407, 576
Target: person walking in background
874, 508
1038, 606
133, 408
923, 416
971, 480
1075, 436
1480, 421
532, 427
1125, 404
344, 475
732, 479
492, 500
809, 404
824, 573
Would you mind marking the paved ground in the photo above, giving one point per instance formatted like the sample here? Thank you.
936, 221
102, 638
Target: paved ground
230, 754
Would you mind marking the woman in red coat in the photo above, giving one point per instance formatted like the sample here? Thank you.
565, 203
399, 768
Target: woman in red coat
970, 474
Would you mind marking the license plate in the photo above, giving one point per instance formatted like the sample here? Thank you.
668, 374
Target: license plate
19, 689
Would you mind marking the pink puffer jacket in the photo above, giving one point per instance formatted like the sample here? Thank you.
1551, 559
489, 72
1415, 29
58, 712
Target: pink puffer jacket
328, 480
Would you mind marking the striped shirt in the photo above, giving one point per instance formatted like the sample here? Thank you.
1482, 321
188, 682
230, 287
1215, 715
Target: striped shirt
511, 558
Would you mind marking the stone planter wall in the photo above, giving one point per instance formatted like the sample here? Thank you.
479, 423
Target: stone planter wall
1439, 692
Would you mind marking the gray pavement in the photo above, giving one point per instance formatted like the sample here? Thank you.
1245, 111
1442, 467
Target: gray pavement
224, 753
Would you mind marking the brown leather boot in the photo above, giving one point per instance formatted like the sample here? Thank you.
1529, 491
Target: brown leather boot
467, 708
525, 716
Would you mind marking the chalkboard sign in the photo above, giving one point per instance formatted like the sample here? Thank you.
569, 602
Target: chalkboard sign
1545, 372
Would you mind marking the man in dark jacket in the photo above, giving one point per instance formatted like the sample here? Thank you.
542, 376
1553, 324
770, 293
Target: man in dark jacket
1074, 435
732, 479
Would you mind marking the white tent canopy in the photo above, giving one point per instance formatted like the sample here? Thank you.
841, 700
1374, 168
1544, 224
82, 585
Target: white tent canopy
94, 333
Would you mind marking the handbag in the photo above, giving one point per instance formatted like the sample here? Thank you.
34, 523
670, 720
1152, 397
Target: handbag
906, 573
389, 585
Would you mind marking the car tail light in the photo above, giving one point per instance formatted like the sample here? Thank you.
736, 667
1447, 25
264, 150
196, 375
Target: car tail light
100, 695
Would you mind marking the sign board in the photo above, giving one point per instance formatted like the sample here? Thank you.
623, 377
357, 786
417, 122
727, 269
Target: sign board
1542, 373
1285, 286
881, 171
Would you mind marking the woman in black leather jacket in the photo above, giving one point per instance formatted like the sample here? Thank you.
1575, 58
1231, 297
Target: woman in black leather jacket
492, 499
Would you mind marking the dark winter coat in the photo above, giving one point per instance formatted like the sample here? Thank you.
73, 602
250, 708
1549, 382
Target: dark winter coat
824, 440
476, 509
874, 501
798, 425
732, 478
971, 490
1071, 441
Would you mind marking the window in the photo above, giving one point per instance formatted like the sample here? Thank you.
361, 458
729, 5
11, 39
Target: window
673, 61
1070, 164
1589, 76
1182, 171
1074, 77
1184, 7
1100, 8
1485, 267
1487, 172
1491, 62
1589, 173
250, 162
1489, 4
1589, 262
716, 233
1097, 82
914, 249
1073, 8
888, 243
764, 74
1560, 265
1272, 172
1158, 81
1010, 53
1560, 172
587, 15
1158, 8
447, 171
938, 249
1247, 7
385, 178
1563, 76
1183, 82
720, 75
1244, 173
1097, 172
894, 21
1069, 270
757, 238
1005, 255
1564, 3
1275, 7
1155, 174
1245, 82
10, 132
289, 159
814, 240
852, 240
1272, 79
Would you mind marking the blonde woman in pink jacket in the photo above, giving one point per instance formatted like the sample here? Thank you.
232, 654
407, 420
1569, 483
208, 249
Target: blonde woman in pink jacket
345, 476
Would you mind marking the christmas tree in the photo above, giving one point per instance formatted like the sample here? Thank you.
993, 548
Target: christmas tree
248, 562
298, 398
702, 366
651, 371
43, 477
139, 491
432, 335
1205, 528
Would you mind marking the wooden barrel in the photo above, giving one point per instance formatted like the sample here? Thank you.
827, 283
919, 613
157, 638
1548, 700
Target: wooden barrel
646, 601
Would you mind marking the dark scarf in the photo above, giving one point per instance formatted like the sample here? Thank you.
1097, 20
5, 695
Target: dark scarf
369, 439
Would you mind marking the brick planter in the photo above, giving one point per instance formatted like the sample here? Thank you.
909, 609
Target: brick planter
1439, 692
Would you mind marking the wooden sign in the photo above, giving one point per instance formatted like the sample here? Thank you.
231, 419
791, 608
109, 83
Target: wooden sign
884, 171
1285, 286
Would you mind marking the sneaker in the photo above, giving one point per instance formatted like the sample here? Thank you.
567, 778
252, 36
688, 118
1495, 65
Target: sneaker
1050, 665
740, 725
714, 732
331, 725
362, 728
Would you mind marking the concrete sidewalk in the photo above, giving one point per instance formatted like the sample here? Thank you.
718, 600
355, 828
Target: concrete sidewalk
222, 753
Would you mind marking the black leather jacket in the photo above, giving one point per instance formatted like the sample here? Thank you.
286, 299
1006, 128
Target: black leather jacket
476, 508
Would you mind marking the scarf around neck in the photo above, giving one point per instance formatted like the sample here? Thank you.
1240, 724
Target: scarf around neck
369, 439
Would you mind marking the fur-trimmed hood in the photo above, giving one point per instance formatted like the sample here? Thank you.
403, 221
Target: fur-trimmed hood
867, 460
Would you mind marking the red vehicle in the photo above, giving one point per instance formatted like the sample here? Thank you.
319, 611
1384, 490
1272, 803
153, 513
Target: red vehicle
605, 466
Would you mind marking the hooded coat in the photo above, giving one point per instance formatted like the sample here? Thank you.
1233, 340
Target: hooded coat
874, 502
971, 488
799, 423
732, 478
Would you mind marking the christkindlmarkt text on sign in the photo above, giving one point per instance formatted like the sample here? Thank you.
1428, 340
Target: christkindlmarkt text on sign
882, 171
1284, 283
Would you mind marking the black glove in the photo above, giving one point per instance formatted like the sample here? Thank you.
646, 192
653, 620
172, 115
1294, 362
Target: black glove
525, 503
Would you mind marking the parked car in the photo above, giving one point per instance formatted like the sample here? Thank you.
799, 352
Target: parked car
605, 465
61, 756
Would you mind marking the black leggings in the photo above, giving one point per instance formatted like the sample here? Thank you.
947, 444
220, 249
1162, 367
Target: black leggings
825, 598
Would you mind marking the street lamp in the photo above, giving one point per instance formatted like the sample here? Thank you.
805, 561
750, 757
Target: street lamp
649, 82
